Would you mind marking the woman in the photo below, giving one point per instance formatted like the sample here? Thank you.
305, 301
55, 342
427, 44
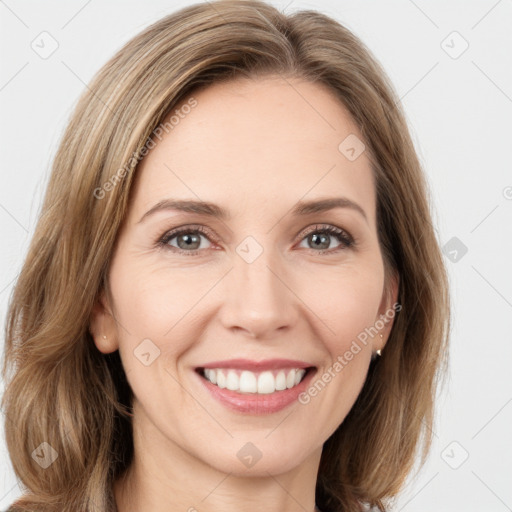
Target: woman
234, 297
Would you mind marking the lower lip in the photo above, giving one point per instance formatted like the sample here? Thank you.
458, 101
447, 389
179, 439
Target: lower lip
254, 403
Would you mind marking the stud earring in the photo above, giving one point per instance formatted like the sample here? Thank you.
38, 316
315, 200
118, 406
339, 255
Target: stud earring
379, 352
104, 337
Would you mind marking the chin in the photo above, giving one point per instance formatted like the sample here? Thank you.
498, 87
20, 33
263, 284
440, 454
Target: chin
257, 458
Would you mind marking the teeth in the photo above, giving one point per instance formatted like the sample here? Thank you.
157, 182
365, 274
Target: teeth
221, 378
266, 383
211, 375
290, 379
249, 382
280, 381
232, 381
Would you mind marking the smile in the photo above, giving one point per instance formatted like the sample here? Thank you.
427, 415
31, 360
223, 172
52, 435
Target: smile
255, 387
245, 381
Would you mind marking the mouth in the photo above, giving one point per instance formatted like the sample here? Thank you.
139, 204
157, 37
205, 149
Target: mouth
266, 382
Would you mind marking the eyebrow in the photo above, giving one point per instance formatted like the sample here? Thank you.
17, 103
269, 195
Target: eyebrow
301, 208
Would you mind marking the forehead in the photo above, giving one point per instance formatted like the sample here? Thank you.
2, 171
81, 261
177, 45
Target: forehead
252, 143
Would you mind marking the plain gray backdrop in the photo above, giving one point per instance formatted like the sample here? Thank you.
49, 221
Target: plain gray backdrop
451, 65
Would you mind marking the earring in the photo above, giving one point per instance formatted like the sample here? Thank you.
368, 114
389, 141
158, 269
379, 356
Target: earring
104, 337
379, 352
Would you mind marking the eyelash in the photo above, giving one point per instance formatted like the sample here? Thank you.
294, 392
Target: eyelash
343, 236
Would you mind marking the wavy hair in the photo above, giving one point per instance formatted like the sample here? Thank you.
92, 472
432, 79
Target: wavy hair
60, 390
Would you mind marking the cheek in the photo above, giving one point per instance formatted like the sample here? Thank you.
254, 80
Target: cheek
152, 295
350, 308
152, 305
347, 302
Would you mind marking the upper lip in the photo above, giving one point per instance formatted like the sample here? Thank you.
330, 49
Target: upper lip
267, 364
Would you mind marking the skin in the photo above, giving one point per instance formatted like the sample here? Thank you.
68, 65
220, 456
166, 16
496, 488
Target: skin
254, 148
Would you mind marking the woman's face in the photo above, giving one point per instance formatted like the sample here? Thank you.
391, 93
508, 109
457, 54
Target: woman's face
262, 283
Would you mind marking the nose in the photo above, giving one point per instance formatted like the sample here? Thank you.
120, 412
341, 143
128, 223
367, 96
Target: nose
258, 300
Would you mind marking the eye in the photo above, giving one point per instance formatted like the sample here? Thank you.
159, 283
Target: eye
320, 236
187, 240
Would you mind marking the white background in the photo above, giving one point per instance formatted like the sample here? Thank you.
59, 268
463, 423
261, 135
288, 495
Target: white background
460, 112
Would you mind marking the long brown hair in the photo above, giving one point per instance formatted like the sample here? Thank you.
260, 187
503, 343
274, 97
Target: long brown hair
62, 391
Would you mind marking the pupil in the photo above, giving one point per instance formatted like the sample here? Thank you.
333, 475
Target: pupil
318, 238
188, 240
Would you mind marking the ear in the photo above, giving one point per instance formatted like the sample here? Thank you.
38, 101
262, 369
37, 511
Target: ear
102, 326
387, 309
